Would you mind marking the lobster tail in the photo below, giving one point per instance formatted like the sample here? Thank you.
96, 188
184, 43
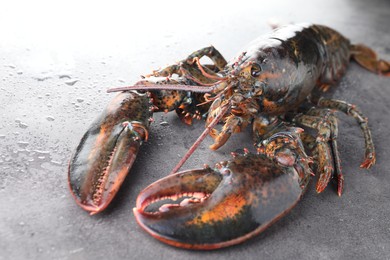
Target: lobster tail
368, 59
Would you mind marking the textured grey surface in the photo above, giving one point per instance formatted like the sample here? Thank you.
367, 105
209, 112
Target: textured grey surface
56, 63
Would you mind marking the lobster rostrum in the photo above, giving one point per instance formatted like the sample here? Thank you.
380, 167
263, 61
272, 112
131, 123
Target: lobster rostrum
274, 85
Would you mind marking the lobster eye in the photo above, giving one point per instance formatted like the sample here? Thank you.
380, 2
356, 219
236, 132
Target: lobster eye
255, 70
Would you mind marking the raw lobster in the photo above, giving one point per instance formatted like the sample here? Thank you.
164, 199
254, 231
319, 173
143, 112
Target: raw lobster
274, 85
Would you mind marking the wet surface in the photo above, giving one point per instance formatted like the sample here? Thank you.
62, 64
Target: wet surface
56, 64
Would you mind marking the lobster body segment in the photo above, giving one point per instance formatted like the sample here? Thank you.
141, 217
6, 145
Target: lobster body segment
273, 85
292, 62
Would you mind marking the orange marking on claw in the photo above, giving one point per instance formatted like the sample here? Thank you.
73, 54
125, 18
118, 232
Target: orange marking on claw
227, 209
100, 141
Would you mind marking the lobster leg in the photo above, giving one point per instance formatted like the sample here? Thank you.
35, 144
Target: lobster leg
352, 110
333, 125
275, 139
108, 149
325, 148
196, 74
211, 52
368, 59
218, 65
185, 103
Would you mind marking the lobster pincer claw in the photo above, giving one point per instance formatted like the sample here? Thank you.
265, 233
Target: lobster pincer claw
213, 208
107, 151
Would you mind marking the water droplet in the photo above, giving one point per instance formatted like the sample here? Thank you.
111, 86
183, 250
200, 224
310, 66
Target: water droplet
64, 76
42, 78
74, 251
71, 82
19, 72
11, 66
56, 162
50, 118
22, 144
41, 152
80, 100
164, 123
23, 125
2, 136
21, 223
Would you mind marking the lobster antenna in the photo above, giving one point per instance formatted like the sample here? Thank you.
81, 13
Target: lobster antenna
192, 88
198, 141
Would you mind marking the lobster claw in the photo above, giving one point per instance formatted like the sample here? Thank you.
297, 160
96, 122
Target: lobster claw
214, 208
107, 151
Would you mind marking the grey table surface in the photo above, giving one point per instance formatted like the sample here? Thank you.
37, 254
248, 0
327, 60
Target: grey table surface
58, 59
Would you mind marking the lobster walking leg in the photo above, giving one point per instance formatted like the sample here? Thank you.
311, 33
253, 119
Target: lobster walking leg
325, 149
219, 63
351, 110
195, 74
333, 124
211, 52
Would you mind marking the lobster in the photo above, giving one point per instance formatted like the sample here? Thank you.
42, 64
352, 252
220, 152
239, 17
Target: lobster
273, 85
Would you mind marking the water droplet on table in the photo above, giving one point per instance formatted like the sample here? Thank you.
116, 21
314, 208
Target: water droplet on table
71, 82
64, 76
23, 125
22, 144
